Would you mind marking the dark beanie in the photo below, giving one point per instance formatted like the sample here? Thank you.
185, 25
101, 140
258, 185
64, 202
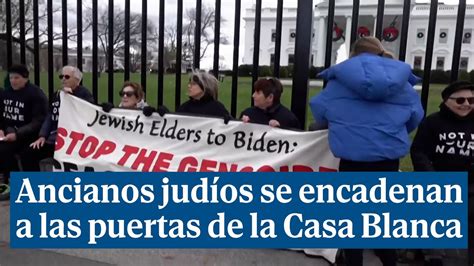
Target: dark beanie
20, 70
455, 87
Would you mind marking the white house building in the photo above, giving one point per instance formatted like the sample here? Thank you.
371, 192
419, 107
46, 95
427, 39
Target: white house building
417, 33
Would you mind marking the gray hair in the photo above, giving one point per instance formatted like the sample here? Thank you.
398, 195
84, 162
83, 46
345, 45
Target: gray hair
75, 71
208, 81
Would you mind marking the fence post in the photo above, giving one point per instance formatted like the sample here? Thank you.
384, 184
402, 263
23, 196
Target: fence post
304, 29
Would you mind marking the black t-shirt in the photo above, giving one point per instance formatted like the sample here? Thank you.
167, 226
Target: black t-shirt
50, 125
23, 110
445, 142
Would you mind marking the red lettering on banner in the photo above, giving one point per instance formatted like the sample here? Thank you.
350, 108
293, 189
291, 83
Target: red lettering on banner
192, 164
128, 150
188, 164
147, 160
88, 146
208, 166
325, 169
302, 168
62, 132
163, 162
151, 160
75, 137
266, 168
142, 158
223, 167
246, 169
107, 147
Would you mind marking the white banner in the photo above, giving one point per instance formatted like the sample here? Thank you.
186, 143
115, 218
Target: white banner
126, 140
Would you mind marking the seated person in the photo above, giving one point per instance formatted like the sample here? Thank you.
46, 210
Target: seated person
24, 108
132, 96
267, 109
43, 146
202, 92
431, 152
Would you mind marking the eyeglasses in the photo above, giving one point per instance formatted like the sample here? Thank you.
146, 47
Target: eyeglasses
126, 93
64, 76
462, 100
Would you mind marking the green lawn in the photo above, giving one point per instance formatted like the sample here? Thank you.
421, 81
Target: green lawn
243, 99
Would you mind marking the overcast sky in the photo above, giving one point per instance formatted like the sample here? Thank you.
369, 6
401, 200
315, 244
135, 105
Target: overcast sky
227, 10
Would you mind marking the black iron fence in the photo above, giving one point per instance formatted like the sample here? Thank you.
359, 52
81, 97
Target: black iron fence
304, 29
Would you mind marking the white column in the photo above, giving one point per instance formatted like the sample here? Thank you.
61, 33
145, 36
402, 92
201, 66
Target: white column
348, 35
321, 42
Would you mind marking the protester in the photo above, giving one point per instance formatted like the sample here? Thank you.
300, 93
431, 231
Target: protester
202, 92
24, 108
444, 139
132, 96
267, 109
370, 106
43, 146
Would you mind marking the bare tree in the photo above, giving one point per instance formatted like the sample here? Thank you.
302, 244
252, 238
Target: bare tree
135, 61
189, 24
118, 44
42, 21
169, 49
29, 27
171, 36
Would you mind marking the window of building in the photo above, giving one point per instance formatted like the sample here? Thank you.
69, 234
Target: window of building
417, 62
291, 59
463, 63
440, 63
272, 59
443, 36
292, 35
466, 36
274, 35
420, 36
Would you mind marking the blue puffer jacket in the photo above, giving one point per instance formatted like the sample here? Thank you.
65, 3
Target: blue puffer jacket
370, 107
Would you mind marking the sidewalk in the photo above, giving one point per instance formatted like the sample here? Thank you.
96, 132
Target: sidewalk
27, 257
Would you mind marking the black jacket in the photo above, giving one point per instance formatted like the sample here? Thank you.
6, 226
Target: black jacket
445, 142
23, 111
277, 112
50, 124
205, 106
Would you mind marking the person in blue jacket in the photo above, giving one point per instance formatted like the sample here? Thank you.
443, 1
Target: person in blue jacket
370, 107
